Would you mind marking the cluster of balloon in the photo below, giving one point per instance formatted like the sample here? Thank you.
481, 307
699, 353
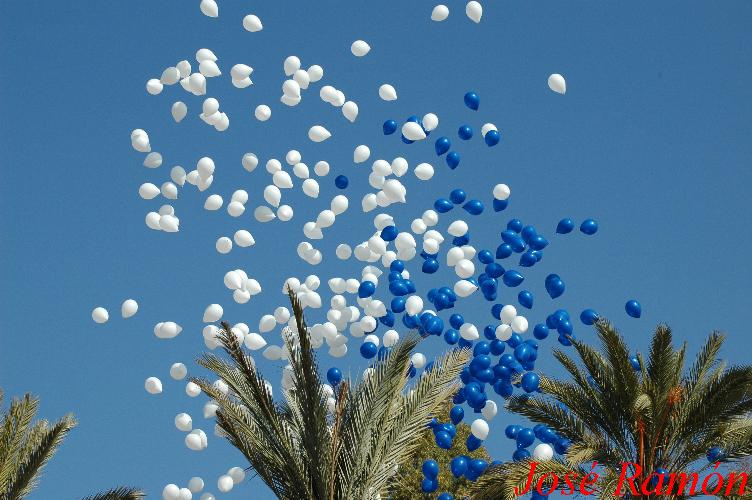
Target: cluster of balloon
127, 309
524, 437
473, 10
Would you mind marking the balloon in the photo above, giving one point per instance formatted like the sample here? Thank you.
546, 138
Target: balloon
442, 145
317, 133
458, 465
554, 286
237, 474
557, 84
530, 382
635, 362
209, 8
359, 48
473, 207
225, 483
445, 496
456, 414
252, 23
589, 227
501, 192
525, 299
129, 308
443, 440
479, 428
588, 316
525, 437
565, 226
474, 11
361, 153
350, 111
465, 132
100, 315
512, 278
429, 485
424, 171
714, 454
472, 443
413, 131
341, 181
633, 308
430, 469
153, 385
453, 159
389, 127
492, 138
368, 350
334, 376
263, 113
543, 452
387, 92
472, 100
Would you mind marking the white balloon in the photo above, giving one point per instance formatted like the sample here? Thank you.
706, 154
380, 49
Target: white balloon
479, 428
439, 13
272, 195
240, 195
291, 65
129, 308
183, 422
169, 191
359, 48
195, 484
196, 440
212, 313
225, 483
223, 245
153, 160
240, 71
301, 76
153, 385
284, 213
489, 410
291, 88
315, 73
235, 209
250, 162
148, 191
192, 389
252, 23
282, 179
557, 83
311, 188
328, 94
317, 133
237, 474
100, 315
264, 214
184, 68
179, 110
213, 202
262, 112
171, 492
208, 496
418, 360
464, 288
413, 131
154, 86
399, 166
242, 83
543, 452
301, 171
457, 228
508, 312
205, 54
209, 8
430, 121
210, 106
209, 69
519, 324
424, 171
413, 305
233, 280
503, 332
244, 238
254, 341
474, 11
178, 175
501, 191
486, 128
469, 331
321, 168
350, 110
387, 92
361, 153
178, 371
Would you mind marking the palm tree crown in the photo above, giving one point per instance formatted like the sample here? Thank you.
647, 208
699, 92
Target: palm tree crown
302, 450
653, 414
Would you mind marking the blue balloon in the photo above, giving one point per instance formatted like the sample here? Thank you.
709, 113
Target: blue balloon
565, 226
457, 196
389, 233
633, 308
430, 266
589, 227
430, 468
503, 251
334, 376
456, 414
478, 466
341, 181
456, 320
554, 286
429, 485
561, 445
445, 496
588, 316
492, 138
525, 299
512, 278
482, 348
497, 347
366, 289
458, 465
465, 132
494, 270
515, 225
442, 205
473, 207
714, 454
443, 440
472, 100
451, 336
503, 388
485, 256
530, 382
540, 331
520, 455
397, 265
442, 145
500, 205
398, 304
389, 127
496, 310
635, 362
528, 259
511, 431
453, 159
525, 437
368, 350
473, 443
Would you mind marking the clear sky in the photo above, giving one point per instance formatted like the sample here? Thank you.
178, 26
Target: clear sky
652, 139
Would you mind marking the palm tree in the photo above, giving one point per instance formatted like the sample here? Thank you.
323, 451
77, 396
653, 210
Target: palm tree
297, 447
654, 415
26, 447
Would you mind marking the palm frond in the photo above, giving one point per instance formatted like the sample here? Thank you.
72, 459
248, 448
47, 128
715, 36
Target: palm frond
119, 493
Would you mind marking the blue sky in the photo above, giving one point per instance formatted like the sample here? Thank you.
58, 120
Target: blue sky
651, 139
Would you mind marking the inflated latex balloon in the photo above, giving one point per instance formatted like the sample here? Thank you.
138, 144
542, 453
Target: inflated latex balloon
361, 153
154, 86
557, 83
209, 69
171, 492
213, 202
285, 212
530, 382
315, 73
359, 48
153, 385
183, 422
474, 11
195, 484
439, 13
262, 112
424, 171
223, 245
252, 23
317, 133
237, 474
430, 121
492, 138
543, 452
129, 308
387, 92
465, 132
209, 8
413, 131
350, 111
490, 410
479, 428
178, 371
153, 160
519, 324
589, 227
169, 223
196, 440
442, 145
148, 191
472, 100
633, 308
100, 315
453, 159
565, 226
179, 110
212, 313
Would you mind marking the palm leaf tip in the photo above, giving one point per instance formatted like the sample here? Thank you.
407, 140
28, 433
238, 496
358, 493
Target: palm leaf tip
118, 493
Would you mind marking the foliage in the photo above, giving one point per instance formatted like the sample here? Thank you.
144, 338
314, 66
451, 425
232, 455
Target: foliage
26, 447
300, 449
658, 417
410, 474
